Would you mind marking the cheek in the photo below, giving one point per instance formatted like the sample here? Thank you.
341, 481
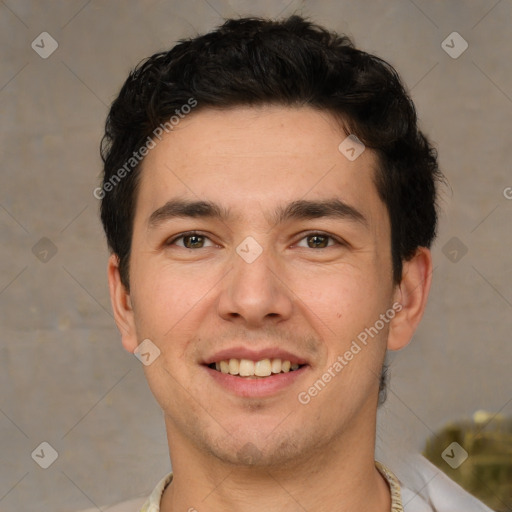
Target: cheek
168, 298
340, 305
337, 293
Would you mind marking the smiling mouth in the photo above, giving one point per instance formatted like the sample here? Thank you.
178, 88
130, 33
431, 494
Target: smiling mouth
254, 369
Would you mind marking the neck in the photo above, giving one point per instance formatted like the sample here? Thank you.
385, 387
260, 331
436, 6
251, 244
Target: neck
342, 473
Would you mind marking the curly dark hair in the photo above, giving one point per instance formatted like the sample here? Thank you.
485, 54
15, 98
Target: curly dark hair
291, 62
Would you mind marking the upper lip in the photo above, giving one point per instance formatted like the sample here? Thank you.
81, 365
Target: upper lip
254, 355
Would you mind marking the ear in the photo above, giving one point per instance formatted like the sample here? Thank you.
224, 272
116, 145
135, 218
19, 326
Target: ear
121, 305
411, 294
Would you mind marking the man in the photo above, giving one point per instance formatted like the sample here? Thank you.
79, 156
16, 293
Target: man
269, 203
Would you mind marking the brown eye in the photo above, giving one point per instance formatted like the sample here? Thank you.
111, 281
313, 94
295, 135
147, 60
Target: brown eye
317, 241
191, 241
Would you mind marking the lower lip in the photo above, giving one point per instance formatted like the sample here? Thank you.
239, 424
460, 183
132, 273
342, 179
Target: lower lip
256, 388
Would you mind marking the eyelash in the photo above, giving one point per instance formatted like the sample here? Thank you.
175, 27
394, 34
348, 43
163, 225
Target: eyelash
336, 240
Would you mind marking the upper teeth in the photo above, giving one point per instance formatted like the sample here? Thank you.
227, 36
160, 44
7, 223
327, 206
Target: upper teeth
248, 368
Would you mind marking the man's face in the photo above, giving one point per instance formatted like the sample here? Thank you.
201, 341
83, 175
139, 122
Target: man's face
323, 276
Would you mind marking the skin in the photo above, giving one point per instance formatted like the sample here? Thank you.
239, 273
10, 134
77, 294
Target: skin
308, 295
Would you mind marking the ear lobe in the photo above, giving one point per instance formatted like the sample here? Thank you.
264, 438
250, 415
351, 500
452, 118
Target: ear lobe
121, 305
411, 294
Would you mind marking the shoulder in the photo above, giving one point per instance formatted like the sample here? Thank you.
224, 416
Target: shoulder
151, 504
133, 505
426, 488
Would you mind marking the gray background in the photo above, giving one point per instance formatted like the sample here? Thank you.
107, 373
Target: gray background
64, 377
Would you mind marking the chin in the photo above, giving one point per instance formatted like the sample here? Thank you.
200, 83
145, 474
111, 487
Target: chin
257, 451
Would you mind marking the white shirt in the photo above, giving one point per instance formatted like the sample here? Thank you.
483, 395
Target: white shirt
417, 487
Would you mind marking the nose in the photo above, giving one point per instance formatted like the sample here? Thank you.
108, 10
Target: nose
255, 293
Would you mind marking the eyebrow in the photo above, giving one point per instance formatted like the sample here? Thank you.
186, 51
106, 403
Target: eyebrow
296, 210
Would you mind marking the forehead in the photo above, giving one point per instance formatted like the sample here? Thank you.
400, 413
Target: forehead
250, 159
